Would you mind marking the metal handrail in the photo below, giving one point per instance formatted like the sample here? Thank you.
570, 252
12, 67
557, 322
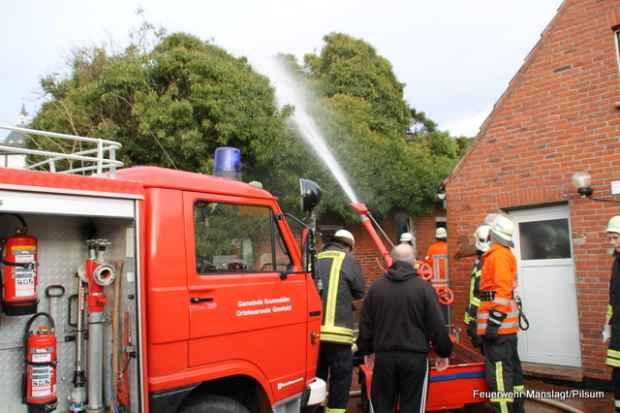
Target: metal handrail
103, 159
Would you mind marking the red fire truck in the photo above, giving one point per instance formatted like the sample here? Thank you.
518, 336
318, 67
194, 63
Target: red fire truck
169, 291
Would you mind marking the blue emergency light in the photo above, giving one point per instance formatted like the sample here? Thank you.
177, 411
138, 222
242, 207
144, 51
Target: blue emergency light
227, 163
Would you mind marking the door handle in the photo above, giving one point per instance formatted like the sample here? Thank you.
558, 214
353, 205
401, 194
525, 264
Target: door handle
198, 300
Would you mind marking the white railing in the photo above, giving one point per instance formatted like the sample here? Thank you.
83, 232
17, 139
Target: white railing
98, 159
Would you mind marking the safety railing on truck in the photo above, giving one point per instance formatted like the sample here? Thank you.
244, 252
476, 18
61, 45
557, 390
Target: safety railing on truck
78, 155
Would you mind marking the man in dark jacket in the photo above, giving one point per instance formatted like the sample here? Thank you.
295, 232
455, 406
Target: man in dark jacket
401, 315
341, 277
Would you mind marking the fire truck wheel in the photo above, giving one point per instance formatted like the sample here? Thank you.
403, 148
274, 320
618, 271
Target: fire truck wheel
214, 404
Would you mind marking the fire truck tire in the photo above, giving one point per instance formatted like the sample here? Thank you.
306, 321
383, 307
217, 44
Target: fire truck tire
214, 404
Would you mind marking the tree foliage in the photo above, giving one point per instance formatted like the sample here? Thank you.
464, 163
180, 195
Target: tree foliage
171, 106
171, 103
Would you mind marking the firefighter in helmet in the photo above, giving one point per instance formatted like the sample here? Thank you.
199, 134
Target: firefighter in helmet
341, 276
498, 319
437, 258
482, 245
612, 321
437, 255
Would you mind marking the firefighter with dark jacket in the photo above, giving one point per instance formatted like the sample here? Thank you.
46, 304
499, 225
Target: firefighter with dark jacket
471, 312
498, 319
341, 277
400, 316
612, 321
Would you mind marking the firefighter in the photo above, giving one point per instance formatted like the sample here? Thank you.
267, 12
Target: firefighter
341, 276
437, 258
498, 319
482, 245
612, 321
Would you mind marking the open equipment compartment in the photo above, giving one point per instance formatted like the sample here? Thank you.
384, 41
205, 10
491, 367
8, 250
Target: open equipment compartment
62, 221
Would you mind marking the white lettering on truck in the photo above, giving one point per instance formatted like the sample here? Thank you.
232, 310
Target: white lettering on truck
261, 302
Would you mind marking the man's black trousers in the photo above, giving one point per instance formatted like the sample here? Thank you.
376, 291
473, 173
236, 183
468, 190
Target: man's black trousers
336, 361
399, 377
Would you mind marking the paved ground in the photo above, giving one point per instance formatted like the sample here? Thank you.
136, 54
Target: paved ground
586, 406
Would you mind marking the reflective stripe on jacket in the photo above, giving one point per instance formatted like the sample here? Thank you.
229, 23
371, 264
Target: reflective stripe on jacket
437, 258
341, 274
499, 275
471, 313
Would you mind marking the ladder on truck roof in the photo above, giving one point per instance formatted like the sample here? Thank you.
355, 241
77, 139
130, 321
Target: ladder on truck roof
98, 158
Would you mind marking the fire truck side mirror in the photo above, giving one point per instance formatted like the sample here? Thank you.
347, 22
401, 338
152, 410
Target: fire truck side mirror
310, 193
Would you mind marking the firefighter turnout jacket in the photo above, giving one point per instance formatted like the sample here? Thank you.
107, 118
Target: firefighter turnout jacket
341, 276
437, 258
471, 312
613, 311
497, 284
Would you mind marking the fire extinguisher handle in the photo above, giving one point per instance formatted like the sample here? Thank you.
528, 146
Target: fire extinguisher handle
54, 291
50, 321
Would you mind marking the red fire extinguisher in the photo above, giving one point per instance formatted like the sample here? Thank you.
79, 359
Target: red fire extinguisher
40, 377
19, 273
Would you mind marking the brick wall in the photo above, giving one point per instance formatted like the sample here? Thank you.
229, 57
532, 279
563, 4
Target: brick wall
557, 117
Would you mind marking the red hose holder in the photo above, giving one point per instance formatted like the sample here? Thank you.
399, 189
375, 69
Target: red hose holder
444, 295
424, 270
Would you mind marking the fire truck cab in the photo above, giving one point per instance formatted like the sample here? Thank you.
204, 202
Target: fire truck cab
212, 306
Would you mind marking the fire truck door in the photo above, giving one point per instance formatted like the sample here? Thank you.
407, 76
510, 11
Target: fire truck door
243, 305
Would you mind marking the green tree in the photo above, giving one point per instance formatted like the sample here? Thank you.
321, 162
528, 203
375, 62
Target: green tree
170, 106
350, 66
366, 122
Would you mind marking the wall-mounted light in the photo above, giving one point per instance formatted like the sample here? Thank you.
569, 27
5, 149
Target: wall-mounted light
582, 181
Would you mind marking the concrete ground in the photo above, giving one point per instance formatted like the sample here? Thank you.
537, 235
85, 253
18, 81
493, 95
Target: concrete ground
604, 405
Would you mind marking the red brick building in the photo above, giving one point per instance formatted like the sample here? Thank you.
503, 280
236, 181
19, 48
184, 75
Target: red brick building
559, 115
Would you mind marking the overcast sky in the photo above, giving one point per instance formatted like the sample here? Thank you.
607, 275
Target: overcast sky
456, 57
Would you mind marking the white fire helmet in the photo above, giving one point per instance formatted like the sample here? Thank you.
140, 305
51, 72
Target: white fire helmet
441, 233
502, 229
406, 237
614, 224
482, 237
345, 236
488, 220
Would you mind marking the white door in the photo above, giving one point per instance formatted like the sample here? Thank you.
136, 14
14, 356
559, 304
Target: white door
546, 273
